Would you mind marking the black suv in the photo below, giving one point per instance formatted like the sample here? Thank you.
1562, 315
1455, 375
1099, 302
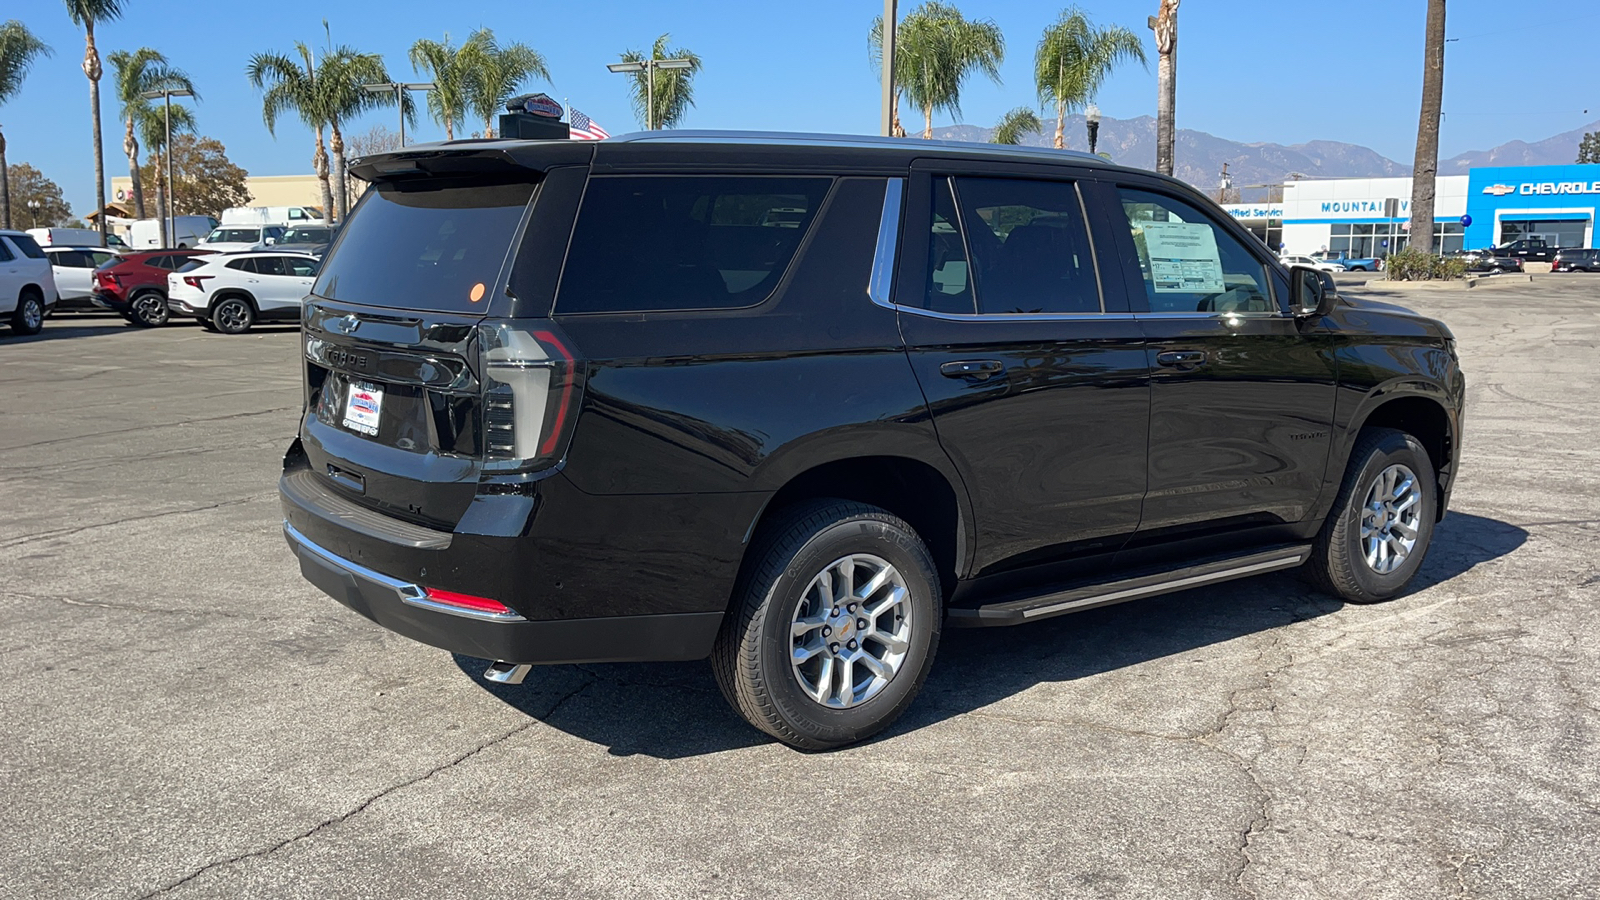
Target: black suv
797, 403
1569, 259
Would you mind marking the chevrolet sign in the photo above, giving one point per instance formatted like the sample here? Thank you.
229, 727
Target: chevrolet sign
1533, 188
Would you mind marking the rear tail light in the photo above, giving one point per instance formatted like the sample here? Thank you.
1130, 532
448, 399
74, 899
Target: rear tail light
197, 281
532, 384
108, 280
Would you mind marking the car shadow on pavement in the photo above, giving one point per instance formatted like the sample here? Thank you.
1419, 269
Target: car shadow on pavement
55, 331
674, 710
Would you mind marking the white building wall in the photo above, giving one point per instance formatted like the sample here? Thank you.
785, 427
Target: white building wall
1311, 208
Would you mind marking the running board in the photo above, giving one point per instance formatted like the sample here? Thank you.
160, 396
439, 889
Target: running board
1075, 599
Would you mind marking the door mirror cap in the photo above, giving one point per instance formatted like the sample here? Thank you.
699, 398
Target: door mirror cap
1313, 294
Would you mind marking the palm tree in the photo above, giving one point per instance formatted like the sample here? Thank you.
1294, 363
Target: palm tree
88, 13
1165, 25
1013, 125
135, 74
291, 86
447, 102
495, 73
673, 92
341, 86
1426, 165
875, 52
936, 49
1074, 59
18, 49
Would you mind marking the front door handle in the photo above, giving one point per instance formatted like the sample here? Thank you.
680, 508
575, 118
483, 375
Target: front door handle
974, 369
1181, 357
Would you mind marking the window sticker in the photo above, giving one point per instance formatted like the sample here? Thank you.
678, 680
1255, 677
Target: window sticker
1183, 257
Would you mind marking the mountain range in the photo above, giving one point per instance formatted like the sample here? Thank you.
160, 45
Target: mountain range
1199, 156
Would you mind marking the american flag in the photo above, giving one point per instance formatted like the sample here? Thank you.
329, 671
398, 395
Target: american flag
584, 128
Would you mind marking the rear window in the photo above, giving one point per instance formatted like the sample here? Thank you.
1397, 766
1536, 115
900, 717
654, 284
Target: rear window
429, 245
189, 266
684, 242
28, 246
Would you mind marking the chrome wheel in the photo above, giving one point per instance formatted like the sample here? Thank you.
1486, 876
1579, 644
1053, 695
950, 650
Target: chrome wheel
233, 316
150, 309
32, 315
1391, 519
851, 631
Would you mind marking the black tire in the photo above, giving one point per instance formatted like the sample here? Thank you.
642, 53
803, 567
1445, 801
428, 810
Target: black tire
752, 658
1339, 561
206, 324
148, 310
232, 315
28, 317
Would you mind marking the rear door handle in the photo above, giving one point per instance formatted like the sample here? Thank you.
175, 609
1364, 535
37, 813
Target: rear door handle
1181, 357
975, 369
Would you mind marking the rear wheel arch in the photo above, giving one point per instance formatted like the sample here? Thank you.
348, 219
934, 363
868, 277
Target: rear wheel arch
927, 499
229, 293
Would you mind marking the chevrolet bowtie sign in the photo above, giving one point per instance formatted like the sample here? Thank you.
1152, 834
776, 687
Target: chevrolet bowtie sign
1533, 188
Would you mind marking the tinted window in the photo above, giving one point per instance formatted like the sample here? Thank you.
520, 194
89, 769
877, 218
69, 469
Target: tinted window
271, 265
301, 268
306, 236
68, 259
949, 285
101, 258
692, 242
28, 246
1190, 263
429, 245
189, 266
247, 264
1029, 248
235, 236
5, 252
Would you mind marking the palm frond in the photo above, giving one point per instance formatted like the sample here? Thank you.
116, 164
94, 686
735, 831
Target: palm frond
1014, 125
18, 49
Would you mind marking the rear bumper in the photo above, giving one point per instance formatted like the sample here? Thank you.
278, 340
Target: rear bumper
402, 607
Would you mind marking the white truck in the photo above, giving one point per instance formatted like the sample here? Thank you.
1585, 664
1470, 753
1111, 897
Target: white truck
272, 215
188, 232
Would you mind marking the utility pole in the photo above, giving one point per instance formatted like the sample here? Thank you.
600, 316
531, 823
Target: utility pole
890, 25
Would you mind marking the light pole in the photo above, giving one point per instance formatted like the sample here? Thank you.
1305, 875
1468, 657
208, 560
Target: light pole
1091, 118
33, 213
169, 230
649, 67
890, 25
400, 88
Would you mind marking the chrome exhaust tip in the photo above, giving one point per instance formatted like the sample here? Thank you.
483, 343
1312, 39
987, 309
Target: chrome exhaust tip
507, 673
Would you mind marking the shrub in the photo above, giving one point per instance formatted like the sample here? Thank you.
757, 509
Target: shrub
1412, 264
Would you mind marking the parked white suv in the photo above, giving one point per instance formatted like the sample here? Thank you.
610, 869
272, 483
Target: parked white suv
231, 292
74, 273
1321, 265
231, 238
27, 286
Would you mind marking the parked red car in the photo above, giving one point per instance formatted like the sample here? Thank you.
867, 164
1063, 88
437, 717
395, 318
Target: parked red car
135, 285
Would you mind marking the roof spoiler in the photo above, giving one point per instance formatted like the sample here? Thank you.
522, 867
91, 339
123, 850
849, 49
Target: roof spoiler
488, 157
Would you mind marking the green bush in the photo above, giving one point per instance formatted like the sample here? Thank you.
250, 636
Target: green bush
1412, 264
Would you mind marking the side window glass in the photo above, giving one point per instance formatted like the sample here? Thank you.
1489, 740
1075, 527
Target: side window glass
5, 252
243, 265
949, 286
1029, 248
1189, 263
271, 265
303, 268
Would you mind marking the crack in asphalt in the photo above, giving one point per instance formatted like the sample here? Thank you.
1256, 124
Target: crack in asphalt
66, 532
369, 801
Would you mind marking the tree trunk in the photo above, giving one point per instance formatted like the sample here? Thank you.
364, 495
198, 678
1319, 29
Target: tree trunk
319, 163
1165, 25
1426, 167
927, 123
340, 196
5, 187
160, 168
449, 129
1061, 125
91, 68
130, 146
488, 127
895, 128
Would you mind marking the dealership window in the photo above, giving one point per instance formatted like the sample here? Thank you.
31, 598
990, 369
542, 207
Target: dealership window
1363, 240
1557, 232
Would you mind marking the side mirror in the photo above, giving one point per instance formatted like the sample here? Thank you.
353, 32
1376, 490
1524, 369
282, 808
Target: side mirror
1312, 293
271, 241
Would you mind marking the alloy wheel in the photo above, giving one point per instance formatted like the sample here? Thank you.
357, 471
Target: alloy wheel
151, 309
32, 314
1391, 519
851, 631
232, 316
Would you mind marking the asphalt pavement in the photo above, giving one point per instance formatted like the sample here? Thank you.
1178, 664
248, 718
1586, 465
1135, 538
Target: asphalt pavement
183, 716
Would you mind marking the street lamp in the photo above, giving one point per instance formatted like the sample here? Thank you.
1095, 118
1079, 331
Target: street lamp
649, 67
169, 230
400, 88
1091, 118
33, 212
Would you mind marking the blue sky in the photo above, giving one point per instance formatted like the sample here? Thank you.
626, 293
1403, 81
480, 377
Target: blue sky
1249, 70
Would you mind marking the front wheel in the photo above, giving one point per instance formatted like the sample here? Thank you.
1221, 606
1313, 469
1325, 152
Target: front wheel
149, 310
1376, 537
28, 317
834, 627
233, 316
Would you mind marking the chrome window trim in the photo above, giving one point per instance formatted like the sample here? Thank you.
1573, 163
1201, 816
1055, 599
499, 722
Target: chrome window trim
411, 594
881, 283
1017, 317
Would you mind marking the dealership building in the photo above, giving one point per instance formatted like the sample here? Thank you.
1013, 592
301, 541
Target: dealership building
1482, 208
